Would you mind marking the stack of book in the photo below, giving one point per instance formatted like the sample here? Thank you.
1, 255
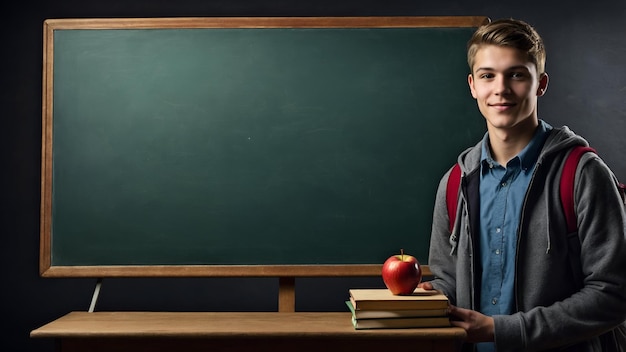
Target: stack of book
380, 309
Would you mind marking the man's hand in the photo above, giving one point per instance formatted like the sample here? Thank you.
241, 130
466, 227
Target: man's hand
479, 327
425, 285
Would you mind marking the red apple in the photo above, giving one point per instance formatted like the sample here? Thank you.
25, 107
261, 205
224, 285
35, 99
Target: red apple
402, 273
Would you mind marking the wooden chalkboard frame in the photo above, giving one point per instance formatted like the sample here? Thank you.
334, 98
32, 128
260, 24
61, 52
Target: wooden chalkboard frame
282, 271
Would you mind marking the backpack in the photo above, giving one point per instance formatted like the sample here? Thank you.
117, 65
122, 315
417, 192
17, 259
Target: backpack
566, 188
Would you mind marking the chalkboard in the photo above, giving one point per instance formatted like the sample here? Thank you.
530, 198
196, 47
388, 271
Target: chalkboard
248, 146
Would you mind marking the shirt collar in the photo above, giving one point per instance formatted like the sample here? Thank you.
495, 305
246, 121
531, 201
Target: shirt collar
528, 156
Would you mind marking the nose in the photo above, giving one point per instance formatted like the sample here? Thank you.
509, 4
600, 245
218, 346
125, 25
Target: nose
502, 85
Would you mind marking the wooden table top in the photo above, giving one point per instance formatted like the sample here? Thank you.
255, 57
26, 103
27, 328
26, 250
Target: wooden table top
224, 325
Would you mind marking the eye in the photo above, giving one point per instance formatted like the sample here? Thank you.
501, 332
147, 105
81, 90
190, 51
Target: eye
518, 75
486, 75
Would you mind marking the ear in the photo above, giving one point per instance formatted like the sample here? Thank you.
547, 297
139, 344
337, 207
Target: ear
543, 84
470, 82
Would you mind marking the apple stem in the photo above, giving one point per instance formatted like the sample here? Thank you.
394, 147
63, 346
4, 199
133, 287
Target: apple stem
402, 254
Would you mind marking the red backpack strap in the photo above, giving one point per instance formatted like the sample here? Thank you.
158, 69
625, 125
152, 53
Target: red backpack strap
567, 185
452, 193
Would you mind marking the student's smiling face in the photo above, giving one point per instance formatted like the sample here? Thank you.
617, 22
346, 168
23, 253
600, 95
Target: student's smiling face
506, 85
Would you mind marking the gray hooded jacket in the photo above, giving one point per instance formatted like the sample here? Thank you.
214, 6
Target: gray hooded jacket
570, 288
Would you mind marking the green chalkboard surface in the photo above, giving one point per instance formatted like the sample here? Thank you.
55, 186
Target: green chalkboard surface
233, 147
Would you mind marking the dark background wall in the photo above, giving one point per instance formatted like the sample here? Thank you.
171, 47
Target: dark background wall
586, 48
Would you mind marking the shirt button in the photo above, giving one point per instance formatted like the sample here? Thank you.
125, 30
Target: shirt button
498, 230
497, 251
503, 184
494, 301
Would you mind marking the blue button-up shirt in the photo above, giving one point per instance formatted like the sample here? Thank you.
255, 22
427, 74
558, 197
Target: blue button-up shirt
502, 192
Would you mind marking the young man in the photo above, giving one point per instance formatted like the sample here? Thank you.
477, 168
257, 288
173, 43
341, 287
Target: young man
517, 281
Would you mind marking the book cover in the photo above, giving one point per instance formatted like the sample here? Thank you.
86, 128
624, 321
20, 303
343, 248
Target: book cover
383, 299
396, 313
401, 323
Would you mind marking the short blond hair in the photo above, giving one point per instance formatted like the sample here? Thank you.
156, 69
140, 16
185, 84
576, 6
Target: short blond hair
509, 33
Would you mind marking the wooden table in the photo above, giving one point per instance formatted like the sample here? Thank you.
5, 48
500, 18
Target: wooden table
242, 331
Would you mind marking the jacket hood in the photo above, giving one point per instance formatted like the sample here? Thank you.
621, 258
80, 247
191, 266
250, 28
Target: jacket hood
558, 139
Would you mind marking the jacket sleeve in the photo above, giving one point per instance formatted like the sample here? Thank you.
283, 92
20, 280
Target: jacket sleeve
600, 304
440, 259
